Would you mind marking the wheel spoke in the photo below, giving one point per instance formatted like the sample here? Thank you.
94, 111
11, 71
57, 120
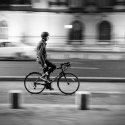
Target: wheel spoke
70, 84
33, 83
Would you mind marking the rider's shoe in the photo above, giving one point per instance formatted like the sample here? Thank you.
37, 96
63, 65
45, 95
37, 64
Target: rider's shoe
51, 88
48, 86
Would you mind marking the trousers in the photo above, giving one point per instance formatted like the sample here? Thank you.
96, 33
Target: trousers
50, 67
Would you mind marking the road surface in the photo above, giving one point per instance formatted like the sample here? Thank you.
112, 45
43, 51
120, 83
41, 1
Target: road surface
82, 68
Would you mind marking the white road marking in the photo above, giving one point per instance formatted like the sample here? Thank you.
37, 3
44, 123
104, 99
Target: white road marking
80, 67
84, 68
70, 62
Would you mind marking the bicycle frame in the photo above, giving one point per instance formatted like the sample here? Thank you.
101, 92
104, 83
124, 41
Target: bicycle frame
56, 77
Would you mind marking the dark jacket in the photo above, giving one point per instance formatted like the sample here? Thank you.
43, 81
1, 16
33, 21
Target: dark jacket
41, 52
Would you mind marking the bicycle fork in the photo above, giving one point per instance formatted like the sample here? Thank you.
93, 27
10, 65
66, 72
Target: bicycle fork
65, 78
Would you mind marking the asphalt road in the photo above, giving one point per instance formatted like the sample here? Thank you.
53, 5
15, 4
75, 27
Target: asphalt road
82, 68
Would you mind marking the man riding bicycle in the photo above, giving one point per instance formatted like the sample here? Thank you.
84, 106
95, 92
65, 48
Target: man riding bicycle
48, 67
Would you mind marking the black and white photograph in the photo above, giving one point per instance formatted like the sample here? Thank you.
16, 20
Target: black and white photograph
62, 62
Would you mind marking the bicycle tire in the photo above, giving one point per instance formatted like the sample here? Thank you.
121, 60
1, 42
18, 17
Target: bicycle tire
30, 79
68, 79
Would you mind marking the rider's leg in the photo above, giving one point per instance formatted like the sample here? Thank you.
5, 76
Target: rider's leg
52, 67
48, 86
45, 69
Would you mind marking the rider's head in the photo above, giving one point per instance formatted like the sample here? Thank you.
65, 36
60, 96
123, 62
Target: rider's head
45, 35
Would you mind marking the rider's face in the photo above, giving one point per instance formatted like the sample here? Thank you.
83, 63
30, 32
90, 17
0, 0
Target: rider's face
47, 38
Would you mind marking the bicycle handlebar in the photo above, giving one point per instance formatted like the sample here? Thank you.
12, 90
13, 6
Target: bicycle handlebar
67, 64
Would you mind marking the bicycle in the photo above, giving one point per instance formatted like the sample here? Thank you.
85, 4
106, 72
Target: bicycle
68, 83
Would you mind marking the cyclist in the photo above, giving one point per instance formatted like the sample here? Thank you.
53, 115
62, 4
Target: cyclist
48, 67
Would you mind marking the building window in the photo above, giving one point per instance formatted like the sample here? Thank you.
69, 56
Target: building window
76, 3
3, 30
23, 5
90, 2
104, 31
4, 4
58, 2
76, 33
105, 3
21, 2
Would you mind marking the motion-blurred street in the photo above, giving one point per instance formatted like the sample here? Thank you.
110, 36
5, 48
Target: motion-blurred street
90, 34
106, 103
82, 68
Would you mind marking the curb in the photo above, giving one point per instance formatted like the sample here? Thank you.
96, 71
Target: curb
81, 79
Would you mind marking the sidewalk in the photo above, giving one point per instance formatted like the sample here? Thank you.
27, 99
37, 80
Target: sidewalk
62, 115
102, 93
107, 108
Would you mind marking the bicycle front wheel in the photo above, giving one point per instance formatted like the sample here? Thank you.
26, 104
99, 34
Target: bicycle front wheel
33, 84
68, 83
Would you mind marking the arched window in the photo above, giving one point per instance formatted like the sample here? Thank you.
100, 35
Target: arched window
3, 29
104, 31
76, 33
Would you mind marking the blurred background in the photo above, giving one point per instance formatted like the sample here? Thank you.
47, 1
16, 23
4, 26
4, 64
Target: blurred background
74, 25
88, 33
79, 30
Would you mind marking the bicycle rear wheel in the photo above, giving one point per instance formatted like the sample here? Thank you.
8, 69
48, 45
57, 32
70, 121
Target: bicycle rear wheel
33, 84
68, 83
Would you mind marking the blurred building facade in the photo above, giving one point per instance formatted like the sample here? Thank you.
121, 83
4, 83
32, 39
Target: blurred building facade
73, 24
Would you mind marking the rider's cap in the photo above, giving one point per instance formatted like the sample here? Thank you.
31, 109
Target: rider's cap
44, 34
